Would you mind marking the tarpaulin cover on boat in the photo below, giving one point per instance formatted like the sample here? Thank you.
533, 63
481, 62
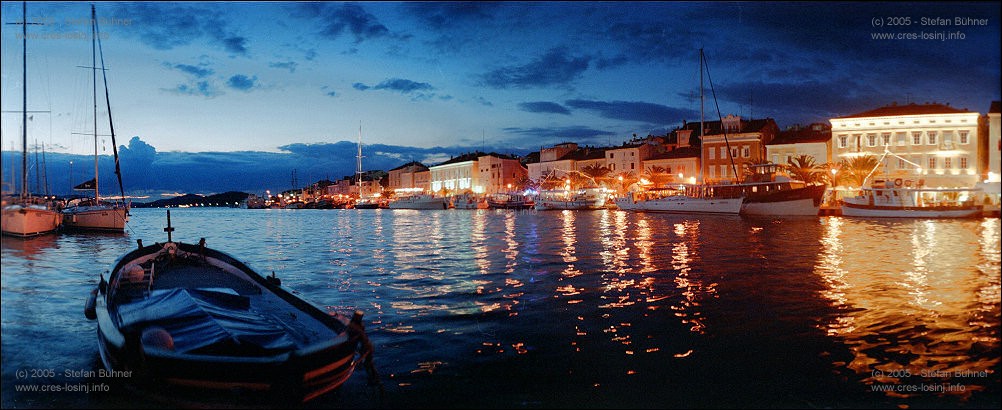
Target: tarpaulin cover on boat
199, 318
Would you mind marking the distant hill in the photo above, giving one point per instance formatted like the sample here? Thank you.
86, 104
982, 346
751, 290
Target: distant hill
225, 199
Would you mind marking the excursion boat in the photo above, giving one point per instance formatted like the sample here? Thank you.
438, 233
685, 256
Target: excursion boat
590, 198
187, 317
369, 203
775, 195
683, 198
509, 201
899, 199
468, 201
419, 201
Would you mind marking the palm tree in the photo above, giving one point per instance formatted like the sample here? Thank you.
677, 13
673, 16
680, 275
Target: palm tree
598, 173
805, 169
830, 173
657, 175
856, 169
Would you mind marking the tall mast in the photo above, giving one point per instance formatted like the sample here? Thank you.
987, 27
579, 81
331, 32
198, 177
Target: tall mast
358, 165
701, 126
24, 100
93, 65
111, 122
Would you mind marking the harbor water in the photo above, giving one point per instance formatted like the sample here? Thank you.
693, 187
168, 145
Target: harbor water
570, 309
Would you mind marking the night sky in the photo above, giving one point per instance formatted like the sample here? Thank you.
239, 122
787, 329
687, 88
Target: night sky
259, 89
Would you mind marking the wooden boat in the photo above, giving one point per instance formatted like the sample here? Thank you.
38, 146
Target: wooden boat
178, 315
769, 194
682, 198
468, 201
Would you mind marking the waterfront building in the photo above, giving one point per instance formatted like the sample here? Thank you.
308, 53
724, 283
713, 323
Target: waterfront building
552, 161
815, 140
629, 157
405, 176
746, 139
477, 172
932, 143
680, 164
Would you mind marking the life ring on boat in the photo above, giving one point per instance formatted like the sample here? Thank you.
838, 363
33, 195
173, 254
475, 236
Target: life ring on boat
897, 182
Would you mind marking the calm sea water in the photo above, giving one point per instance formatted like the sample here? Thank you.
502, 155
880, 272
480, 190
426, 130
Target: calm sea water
583, 309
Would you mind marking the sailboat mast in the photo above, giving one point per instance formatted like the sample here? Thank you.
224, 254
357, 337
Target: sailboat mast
24, 100
93, 66
701, 126
111, 122
358, 162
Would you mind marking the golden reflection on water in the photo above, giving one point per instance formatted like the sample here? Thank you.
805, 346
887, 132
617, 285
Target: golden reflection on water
569, 238
693, 290
917, 307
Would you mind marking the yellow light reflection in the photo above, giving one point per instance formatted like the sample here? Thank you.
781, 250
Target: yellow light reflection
910, 300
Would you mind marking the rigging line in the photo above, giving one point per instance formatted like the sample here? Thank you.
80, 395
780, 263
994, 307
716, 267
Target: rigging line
111, 124
727, 144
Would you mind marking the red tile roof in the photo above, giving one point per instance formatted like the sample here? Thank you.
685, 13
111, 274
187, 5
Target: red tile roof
909, 109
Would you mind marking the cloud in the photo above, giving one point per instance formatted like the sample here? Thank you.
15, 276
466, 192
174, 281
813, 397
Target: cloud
360, 86
634, 111
200, 88
288, 65
446, 15
404, 86
540, 136
198, 72
330, 93
544, 106
555, 67
241, 82
337, 20
165, 26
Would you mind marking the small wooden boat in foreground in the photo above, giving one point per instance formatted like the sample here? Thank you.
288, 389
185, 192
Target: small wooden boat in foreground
183, 315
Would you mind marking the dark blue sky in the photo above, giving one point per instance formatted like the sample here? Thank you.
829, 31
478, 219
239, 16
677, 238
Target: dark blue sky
271, 87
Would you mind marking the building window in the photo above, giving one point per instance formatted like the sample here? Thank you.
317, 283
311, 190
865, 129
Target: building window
963, 137
843, 141
901, 163
932, 137
631, 165
723, 153
746, 152
734, 152
916, 138
712, 153
887, 138
612, 155
948, 162
932, 162
612, 167
871, 140
963, 162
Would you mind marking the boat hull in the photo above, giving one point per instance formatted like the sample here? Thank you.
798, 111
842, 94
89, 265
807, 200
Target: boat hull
854, 210
545, 205
96, 218
804, 201
27, 221
295, 373
682, 204
419, 203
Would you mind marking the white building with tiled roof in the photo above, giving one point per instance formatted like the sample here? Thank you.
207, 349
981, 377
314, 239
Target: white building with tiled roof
941, 140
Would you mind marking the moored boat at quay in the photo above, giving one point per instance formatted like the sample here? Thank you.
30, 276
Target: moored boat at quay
769, 194
590, 198
683, 198
509, 201
419, 201
468, 201
892, 199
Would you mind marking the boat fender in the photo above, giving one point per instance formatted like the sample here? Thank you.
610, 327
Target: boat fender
133, 273
140, 243
898, 182
157, 337
90, 307
274, 280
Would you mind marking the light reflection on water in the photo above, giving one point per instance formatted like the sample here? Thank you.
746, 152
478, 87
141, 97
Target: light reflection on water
919, 301
486, 308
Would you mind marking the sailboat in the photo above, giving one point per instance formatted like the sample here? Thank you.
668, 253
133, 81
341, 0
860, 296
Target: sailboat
364, 201
92, 213
687, 198
25, 215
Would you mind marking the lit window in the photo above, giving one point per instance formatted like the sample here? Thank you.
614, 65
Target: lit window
932, 137
963, 137
871, 140
843, 141
916, 138
901, 163
932, 162
963, 162
948, 162
887, 138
